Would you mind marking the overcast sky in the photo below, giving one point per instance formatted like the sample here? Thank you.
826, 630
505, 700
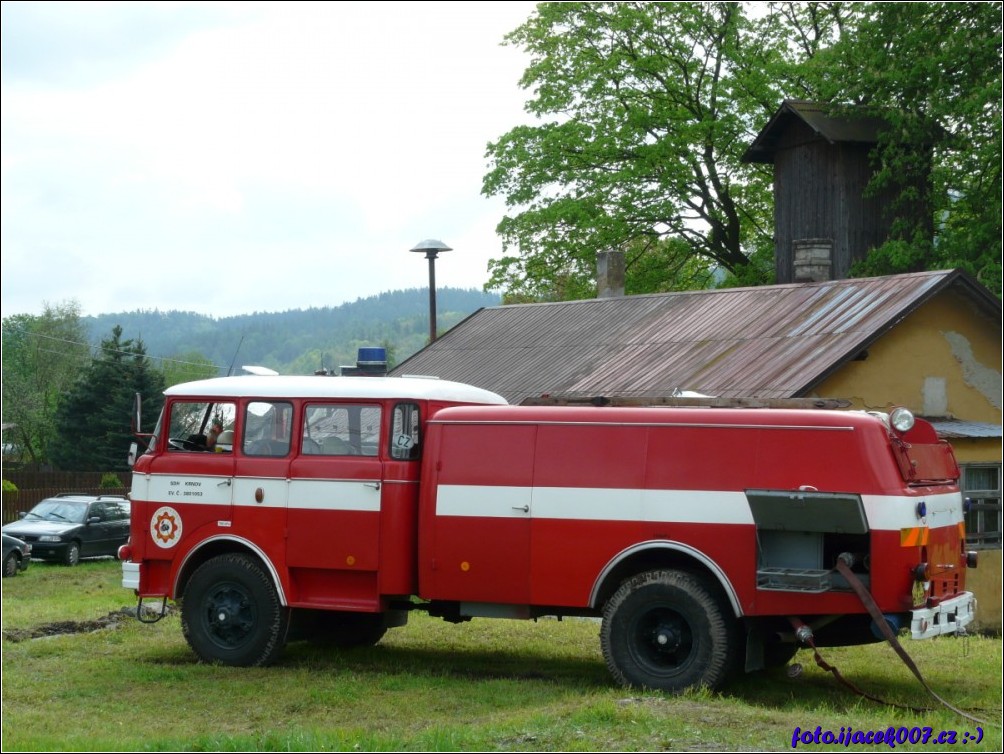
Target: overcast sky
227, 158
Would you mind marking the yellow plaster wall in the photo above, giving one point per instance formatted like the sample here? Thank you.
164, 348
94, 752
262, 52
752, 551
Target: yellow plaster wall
985, 582
920, 347
977, 449
947, 338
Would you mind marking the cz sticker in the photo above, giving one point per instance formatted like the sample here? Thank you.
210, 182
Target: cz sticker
165, 527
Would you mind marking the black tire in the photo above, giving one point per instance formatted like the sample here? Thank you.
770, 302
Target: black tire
667, 630
10, 565
231, 613
72, 556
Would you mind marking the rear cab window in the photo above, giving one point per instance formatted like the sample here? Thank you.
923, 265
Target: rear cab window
341, 429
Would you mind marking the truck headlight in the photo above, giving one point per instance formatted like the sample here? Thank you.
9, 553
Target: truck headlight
901, 419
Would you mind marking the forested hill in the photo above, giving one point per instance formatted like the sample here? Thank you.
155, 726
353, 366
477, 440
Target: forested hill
298, 341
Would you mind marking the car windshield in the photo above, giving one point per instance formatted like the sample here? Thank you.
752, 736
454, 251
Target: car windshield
59, 510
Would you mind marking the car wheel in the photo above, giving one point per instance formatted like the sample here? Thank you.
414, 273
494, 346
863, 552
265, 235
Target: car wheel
231, 613
72, 556
10, 565
667, 630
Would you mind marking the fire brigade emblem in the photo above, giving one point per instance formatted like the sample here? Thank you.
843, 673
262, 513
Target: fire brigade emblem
165, 527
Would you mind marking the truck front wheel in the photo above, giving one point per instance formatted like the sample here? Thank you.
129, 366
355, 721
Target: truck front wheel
667, 630
231, 613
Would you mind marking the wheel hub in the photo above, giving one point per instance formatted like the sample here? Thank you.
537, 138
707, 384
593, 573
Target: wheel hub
668, 637
230, 616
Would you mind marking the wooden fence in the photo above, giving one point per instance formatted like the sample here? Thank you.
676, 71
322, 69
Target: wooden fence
35, 486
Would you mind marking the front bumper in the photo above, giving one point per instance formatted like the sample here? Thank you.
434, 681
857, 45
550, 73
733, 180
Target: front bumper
948, 617
49, 550
130, 575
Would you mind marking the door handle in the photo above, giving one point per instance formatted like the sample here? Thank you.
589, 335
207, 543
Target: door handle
524, 508
374, 485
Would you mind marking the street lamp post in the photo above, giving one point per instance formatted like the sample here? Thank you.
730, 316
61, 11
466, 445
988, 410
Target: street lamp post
431, 247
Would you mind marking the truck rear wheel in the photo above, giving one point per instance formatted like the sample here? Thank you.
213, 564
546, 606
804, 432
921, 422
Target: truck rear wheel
667, 630
231, 613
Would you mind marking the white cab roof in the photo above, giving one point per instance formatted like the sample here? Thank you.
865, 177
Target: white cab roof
279, 386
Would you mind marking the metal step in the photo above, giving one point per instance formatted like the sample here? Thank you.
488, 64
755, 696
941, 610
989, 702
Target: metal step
793, 580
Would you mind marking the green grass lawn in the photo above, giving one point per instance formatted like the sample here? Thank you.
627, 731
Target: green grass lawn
486, 685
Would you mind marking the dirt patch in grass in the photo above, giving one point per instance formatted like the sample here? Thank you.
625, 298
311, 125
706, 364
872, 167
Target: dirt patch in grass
63, 627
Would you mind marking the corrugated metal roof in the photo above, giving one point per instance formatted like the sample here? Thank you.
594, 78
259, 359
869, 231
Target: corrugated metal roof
768, 342
953, 429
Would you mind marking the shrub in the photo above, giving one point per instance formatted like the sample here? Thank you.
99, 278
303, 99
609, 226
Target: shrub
9, 486
110, 480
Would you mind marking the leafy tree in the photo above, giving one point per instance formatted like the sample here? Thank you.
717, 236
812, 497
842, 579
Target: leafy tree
42, 357
93, 419
933, 71
646, 109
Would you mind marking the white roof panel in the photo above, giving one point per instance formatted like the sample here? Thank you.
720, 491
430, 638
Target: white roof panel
279, 386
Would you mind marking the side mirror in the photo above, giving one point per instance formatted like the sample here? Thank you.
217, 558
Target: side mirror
131, 458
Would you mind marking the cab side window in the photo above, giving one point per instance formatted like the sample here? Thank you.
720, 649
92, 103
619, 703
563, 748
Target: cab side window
267, 428
195, 425
341, 430
404, 432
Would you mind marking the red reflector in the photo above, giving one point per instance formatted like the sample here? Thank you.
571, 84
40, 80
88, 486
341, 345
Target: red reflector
125, 552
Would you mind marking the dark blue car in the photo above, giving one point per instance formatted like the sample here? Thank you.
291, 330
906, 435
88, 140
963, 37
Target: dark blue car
16, 555
72, 526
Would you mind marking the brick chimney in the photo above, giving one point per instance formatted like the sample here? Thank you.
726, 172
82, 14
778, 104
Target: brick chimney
609, 274
813, 260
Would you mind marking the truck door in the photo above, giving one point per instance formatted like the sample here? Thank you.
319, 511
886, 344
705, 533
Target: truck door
481, 542
399, 500
261, 480
335, 492
188, 489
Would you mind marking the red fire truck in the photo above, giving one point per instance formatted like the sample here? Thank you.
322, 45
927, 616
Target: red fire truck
330, 507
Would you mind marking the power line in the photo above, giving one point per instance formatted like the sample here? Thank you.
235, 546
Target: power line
103, 349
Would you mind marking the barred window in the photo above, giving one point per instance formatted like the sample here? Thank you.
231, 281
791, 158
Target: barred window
981, 485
